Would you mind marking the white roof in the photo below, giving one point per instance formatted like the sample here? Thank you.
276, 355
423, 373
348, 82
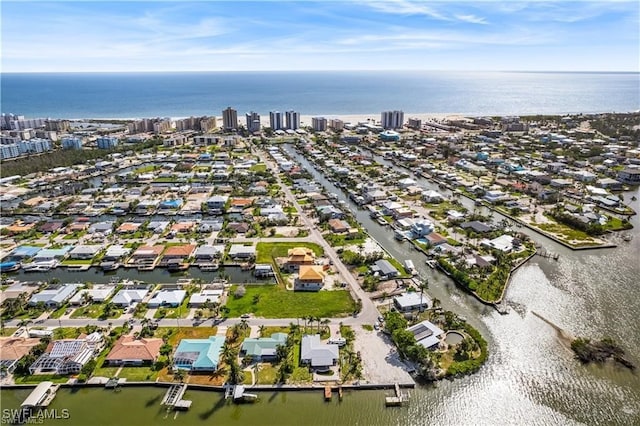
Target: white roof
211, 295
168, 297
127, 296
413, 299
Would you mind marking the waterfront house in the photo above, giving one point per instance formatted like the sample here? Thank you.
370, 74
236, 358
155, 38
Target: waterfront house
431, 196
12, 349
421, 228
338, 226
198, 354
263, 349
197, 300
18, 289
128, 228
427, 334
630, 175
97, 294
384, 269
434, 239
167, 298
54, 296
476, 226
51, 226
104, 228
48, 255
24, 252
242, 252
504, 243
131, 351
84, 252
115, 252
146, 254
316, 354
411, 301
128, 296
310, 278
180, 253
67, 356
208, 253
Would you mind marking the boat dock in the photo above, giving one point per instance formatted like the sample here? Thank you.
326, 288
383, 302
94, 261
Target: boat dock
41, 396
239, 394
547, 254
398, 399
327, 393
173, 398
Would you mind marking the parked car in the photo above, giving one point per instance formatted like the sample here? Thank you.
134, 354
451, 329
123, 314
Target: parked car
245, 316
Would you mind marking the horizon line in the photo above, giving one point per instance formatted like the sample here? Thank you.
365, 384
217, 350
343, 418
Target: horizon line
322, 70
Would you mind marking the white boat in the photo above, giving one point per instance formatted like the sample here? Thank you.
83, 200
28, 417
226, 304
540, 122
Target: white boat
409, 267
400, 236
39, 266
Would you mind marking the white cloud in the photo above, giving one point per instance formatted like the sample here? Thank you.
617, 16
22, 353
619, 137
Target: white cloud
472, 19
404, 7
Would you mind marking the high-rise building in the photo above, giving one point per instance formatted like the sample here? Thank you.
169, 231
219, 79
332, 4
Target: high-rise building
415, 123
253, 121
319, 124
293, 120
275, 120
107, 142
229, 119
9, 151
336, 124
72, 142
392, 119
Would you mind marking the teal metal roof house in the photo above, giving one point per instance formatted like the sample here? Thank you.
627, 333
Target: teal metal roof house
263, 348
198, 354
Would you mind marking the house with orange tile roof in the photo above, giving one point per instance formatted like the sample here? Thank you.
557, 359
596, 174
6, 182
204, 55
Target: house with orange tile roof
182, 227
12, 349
128, 228
298, 256
179, 252
310, 278
19, 227
131, 351
242, 203
147, 252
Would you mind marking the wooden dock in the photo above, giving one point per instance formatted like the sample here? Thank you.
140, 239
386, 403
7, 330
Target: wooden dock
398, 399
327, 393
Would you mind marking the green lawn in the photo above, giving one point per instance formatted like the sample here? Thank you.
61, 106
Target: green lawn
105, 372
8, 331
181, 311
41, 378
138, 374
267, 374
94, 310
265, 252
341, 240
259, 168
58, 312
276, 302
71, 262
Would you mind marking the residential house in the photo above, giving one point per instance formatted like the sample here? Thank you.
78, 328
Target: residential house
67, 356
207, 253
504, 243
84, 252
384, 269
197, 300
98, 294
427, 334
12, 349
54, 296
198, 354
316, 354
411, 301
263, 349
431, 196
310, 278
299, 256
167, 298
476, 226
116, 252
242, 252
338, 226
178, 253
421, 228
128, 296
131, 351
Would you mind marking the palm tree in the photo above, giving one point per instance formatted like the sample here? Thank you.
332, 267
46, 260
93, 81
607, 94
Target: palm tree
261, 329
25, 323
326, 323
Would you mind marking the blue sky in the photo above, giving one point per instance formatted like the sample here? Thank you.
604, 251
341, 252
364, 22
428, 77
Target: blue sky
329, 35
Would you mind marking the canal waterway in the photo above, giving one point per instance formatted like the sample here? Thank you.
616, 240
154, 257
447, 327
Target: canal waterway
530, 378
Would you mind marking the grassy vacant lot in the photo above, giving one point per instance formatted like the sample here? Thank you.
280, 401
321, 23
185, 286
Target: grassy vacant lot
564, 232
276, 302
181, 311
138, 374
8, 331
37, 378
105, 372
266, 374
176, 334
267, 251
94, 310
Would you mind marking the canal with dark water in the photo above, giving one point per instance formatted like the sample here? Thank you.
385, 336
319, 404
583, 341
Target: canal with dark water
531, 377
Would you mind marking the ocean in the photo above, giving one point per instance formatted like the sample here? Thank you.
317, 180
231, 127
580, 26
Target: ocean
137, 95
